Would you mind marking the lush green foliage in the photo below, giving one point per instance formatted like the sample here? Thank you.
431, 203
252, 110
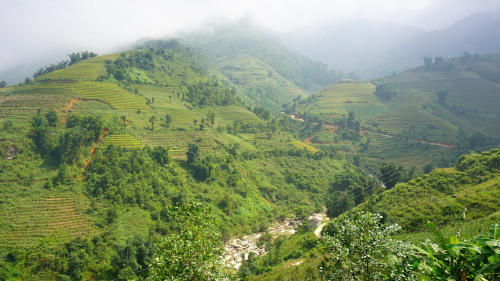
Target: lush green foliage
361, 248
451, 259
192, 251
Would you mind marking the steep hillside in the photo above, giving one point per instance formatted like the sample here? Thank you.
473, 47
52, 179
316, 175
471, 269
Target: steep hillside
462, 201
271, 74
93, 155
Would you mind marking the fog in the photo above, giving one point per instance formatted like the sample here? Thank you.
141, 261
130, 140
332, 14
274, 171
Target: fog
37, 32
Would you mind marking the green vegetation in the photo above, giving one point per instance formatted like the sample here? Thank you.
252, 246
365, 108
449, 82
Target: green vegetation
462, 202
110, 153
460, 196
425, 116
139, 165
360, 248
73, 58
126, 141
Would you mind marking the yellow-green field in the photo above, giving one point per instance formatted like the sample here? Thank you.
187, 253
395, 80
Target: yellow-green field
341, 98
109, 93
52, 219
23, 107
126, 141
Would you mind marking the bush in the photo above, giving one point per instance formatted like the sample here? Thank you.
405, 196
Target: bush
361, 248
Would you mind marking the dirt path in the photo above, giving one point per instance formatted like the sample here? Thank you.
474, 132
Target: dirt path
70, 104
94, 146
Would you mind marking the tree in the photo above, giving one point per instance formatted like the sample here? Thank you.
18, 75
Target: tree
441, 95
52, 118
360, 248
390, 174
160, 155
152, 120
384, 93
192, 251
195, 122
428, 61
123, 118
3, 84
7, 125
193, 153
168, 120
338, 203
211, 117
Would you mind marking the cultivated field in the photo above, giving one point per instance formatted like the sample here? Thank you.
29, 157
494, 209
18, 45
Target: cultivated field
51, 219
109, 93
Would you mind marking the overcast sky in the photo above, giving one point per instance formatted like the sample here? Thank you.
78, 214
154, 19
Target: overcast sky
31, 29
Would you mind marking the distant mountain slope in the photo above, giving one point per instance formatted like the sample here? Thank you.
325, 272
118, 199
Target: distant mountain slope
463, 92
477, 33
428, 114
374, 49
264, 64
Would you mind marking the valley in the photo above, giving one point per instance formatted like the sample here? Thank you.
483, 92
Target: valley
226, 155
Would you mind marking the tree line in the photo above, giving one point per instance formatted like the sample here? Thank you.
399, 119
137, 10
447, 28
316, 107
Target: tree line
73, 58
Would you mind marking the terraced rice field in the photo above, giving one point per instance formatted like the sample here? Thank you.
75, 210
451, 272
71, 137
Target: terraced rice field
407, 153
177, 141
86, 70
416, 120
126, 141
341, 98
109, 93
23, 107
348, 93
54, 219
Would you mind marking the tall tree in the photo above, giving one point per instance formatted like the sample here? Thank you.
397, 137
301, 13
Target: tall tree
193, 153
152, 120
168, 120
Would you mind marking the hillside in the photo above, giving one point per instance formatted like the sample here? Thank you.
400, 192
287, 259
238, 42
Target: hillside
96, 152
430, 113
270, 73
463, 200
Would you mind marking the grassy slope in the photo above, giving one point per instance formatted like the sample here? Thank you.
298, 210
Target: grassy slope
269, 195
443, 195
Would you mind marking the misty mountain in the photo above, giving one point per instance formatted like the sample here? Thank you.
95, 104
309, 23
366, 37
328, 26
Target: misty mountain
270, 73
356, 46
373, 49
